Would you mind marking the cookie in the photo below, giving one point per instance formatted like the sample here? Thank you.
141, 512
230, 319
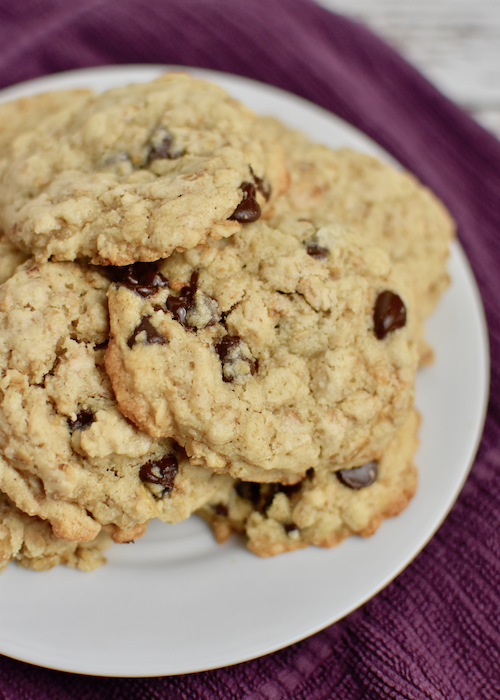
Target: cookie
31, 543
10, 258
268, 353
324, 508
28, 113
388, 207
68, 455
137, 172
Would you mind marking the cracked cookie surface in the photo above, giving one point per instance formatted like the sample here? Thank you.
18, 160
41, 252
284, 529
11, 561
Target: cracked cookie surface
25, 114
67, 454
137, 172
258, 353
388, 207
321, 510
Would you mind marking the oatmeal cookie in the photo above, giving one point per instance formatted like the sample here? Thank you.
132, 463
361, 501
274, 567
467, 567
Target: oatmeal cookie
28, 113
324, 508
30, 542
389, 208
268, 353
10, 258
67, 454
137, 172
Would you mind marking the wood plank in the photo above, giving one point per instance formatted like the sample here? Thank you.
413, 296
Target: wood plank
454, 43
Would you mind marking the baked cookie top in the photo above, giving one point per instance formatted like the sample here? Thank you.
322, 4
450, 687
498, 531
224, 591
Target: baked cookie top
267, 353
27, 113
325, 507
67, 454
137, 172
388, 207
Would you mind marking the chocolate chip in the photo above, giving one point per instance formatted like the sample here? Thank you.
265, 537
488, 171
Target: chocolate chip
262, 185
316, 251
358, 477
162, 146
180, 306
83, 420
261, 495
291, 527
161, 472
142, 278
220, 509
248, 490
193, 308
291, 489
152, 335
230, 350
389, 314
225, 344
248, 209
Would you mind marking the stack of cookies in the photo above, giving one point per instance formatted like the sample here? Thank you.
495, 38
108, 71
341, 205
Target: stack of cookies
202, 312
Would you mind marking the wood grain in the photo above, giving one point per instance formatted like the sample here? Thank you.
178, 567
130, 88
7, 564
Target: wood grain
454, 43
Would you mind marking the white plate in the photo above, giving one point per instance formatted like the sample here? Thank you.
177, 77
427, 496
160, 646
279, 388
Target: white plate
175, 602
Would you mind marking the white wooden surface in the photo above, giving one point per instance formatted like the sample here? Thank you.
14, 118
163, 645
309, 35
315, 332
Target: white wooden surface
454, 43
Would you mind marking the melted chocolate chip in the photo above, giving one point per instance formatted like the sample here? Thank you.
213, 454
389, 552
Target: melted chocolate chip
389, 314
162, 472
358, 477
83, 420
262, 185
225, 344
248, 490
178, 307
316, 251
181, 305
224, 347
152, 335
291, 489
261, 495
220, 509
164, 148
291, 527
142, 278
224, 315
248, 209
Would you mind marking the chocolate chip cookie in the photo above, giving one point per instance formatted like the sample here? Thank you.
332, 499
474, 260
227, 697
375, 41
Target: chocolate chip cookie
138, 172
268, 353
388, 207
30, 542
325, 507
67, 454
20, 117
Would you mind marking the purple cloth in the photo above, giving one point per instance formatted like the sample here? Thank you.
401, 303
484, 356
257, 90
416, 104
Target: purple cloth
434, 632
